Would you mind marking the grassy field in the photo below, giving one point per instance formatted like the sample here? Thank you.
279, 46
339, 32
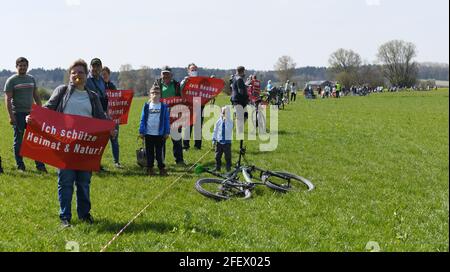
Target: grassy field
380, 165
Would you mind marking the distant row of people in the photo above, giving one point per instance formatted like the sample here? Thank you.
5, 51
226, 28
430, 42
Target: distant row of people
421, 87
326, 91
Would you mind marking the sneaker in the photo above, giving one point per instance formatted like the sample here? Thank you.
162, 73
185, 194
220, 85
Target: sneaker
88, 219
65, 223
182, 163
21, 168
150, 172
163, 172
118, 165
42, 169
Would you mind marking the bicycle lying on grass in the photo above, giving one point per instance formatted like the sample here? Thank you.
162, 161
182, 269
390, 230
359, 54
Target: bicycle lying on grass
227, 186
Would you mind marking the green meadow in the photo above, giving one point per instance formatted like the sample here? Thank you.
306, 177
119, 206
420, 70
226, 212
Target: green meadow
380, 165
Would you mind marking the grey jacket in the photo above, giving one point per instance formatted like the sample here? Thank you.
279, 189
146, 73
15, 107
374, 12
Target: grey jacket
60, 97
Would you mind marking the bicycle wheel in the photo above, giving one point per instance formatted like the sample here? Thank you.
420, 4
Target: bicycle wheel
247, 174
219, 189
259, 121
287, 182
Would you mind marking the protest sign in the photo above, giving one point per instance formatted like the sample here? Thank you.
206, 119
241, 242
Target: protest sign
119, 103
66, 141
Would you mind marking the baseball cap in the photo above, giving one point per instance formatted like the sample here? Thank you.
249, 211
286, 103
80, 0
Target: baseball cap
96, 61
166, 69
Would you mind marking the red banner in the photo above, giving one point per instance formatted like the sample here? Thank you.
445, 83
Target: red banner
205, 88
66, 141
119, 103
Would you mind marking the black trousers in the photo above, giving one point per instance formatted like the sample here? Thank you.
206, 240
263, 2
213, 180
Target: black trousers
223, 149
293, 96
154, 149
198, 143
177, 149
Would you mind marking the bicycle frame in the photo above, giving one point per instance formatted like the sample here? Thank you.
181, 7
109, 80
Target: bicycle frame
263, 173
230, 185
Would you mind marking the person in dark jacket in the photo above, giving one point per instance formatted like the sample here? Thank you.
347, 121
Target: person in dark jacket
96, 83
239, 98
239, 95
75, 99
106, 75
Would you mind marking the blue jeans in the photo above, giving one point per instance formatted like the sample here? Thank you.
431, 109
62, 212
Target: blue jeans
66, 180
115, 147
19, 131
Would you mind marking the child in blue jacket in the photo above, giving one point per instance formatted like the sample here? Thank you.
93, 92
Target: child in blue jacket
155, 129
222, 137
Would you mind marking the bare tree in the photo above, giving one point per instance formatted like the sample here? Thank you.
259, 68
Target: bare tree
144, 81
227, 77
371, 75
398, 65
345, 65
345, 61
126, 77
285, 68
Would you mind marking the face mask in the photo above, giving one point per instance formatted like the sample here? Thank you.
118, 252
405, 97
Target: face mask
193, 73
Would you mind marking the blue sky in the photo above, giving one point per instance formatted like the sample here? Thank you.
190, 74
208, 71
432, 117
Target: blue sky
216, 33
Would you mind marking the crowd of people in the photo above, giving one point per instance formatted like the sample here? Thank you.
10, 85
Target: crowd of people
86, 95
327, 91
421, 87
338, 91
284, 94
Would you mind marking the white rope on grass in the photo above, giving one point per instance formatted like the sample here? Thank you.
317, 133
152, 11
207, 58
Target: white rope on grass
151, 202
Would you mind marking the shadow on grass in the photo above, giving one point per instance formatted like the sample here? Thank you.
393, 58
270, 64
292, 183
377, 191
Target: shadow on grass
284, 132
141, 172
107, 226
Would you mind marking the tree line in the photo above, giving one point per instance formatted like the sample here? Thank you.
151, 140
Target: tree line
395, 67
140, 79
